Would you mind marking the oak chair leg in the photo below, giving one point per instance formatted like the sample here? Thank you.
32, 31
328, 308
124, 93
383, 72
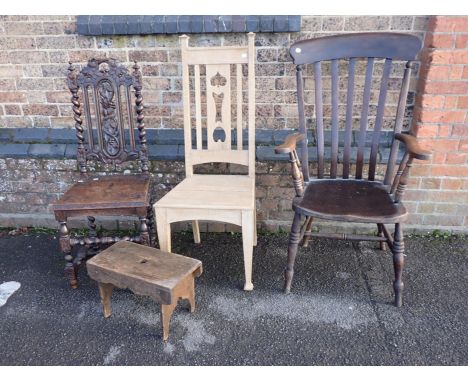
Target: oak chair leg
248, 243
65, 246
382, 244
398, 264
308, 225
196, 231
166, 314
255, 229
190, 294
294, 237
164, 230
105, 291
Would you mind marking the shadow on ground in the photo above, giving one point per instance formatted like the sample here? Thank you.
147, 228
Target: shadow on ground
340, 310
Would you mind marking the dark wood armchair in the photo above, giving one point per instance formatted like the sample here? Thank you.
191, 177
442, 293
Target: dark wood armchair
338, 195
102, 90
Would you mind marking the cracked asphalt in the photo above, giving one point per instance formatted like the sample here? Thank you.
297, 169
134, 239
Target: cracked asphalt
340, 310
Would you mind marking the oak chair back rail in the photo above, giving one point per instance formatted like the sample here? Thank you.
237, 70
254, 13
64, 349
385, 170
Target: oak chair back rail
223, 77
367, 46
102, 90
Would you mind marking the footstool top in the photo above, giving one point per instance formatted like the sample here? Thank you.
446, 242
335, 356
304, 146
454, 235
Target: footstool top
144, 270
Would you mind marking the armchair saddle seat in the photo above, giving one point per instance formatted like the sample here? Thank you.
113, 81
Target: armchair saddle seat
351, 200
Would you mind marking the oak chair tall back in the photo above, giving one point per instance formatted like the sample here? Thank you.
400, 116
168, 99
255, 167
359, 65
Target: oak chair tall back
220, 89
345, 193
107, 121
222, 79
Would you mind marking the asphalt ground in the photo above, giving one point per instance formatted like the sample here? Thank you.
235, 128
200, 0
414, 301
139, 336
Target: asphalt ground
340, 310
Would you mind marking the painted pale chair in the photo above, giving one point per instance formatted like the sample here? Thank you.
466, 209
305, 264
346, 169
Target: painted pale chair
218, 74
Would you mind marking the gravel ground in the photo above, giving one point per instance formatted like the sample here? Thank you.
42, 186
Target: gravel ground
340, 310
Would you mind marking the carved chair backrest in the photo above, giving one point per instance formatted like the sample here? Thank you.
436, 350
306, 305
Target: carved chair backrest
103, 91
219, 93
351, 50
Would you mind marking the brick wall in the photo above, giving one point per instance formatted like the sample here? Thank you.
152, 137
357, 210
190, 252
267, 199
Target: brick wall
34, 55
441, 122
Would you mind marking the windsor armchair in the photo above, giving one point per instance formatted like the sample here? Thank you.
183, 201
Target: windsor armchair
218, 80
338, 195
103, 91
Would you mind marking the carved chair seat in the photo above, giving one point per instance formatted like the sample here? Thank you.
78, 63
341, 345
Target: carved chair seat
114, 195
349, 200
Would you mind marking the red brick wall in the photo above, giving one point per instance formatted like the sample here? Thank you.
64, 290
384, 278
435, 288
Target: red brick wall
441, 123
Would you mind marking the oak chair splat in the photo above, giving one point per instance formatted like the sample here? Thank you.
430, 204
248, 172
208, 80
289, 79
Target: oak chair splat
218, 74
102, 91
352, 199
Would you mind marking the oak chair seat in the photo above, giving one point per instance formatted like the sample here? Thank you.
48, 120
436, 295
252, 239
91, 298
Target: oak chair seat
212, 192
164, 277
350, 200
109, 192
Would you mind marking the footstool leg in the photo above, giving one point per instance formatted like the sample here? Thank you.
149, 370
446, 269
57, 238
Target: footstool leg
105, 291
191, 294
166, 314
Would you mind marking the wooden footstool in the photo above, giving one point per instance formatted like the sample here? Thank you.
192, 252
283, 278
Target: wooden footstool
162, 276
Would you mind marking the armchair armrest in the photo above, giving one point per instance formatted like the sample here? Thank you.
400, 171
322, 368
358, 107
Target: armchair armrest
289, 144
412, 146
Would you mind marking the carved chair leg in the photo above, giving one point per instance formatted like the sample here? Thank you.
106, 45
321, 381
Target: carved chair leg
382, 244
144, 235
398, 264
105, 291
93, 248
196, 231
294, 237
65, 246
151, 226
307, 225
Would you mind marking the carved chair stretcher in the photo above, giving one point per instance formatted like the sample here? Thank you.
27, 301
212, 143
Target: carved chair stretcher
351, 199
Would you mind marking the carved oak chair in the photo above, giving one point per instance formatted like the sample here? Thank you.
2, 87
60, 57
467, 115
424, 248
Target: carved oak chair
338, 195
225, 198
103, 90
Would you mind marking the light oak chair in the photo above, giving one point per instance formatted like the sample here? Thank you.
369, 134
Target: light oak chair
218, 74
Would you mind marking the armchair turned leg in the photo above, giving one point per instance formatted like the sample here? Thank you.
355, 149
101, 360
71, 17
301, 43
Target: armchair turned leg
294, 237
308, 224
382, 244
144, 235
398, 264
65, 246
